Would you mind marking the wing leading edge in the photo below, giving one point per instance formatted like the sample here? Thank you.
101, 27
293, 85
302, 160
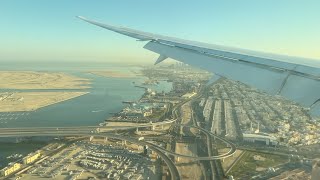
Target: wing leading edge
295, 78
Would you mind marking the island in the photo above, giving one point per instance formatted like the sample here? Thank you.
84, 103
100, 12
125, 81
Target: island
30, 101
29, 91
40, 80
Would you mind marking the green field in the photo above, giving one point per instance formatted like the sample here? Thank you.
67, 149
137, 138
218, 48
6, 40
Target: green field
246, 167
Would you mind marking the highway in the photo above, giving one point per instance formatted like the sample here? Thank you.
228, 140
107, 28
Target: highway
92, 131
15, 132
229, 144
84, 133
101, 131
172, 168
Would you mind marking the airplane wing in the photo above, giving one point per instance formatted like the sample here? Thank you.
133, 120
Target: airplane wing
295, 78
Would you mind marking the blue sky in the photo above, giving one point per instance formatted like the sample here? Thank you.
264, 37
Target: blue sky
47, 30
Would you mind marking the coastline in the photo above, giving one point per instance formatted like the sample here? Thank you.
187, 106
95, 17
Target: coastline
112, 74
81, 94
41, 80
32, 101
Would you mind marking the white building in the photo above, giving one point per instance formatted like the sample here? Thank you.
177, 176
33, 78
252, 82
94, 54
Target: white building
256, 138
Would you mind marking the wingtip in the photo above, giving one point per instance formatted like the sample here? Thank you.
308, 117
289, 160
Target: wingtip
81, 17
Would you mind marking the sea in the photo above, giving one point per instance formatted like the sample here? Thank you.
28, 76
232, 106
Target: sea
105, 96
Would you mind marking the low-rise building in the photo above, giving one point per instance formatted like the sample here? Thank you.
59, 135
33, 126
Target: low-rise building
10, 169
30, 158
260, 138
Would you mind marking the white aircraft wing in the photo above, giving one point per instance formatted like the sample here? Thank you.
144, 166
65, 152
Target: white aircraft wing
295, 78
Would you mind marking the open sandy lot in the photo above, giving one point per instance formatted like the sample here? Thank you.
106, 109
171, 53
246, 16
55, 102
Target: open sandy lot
188, 168
40, 80
29, 101
227, 162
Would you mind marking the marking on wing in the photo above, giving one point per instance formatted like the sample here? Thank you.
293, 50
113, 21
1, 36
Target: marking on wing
285, 80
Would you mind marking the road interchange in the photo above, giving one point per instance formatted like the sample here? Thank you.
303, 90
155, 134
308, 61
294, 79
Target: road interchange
92, 131
108, 132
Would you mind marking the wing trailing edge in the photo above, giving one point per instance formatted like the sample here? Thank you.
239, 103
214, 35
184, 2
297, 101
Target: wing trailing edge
295, 78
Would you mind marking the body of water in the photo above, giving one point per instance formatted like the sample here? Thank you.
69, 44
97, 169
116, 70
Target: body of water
105, 96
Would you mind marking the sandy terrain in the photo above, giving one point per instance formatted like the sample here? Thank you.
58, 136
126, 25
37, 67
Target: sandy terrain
115, 74
186, 118
40, 80
185, 114
30, 101
227, 162
188, 168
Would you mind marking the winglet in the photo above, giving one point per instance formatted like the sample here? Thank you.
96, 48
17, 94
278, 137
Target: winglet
160, 59
144, 36
81, 17
84, 19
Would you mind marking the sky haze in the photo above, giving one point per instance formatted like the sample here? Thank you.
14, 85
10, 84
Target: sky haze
43, 30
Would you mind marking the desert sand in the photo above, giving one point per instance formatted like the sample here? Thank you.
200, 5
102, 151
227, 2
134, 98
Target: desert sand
40, 80
28, 80
30, 101
188, 168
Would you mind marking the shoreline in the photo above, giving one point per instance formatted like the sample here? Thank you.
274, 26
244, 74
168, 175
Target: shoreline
71, 95
41, 80
82, 94
112, 74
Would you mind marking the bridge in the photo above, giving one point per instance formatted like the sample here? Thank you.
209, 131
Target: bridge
72, 130
102, 131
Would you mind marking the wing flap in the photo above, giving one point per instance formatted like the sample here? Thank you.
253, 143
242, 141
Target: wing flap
265, 79
295, 78
286, 82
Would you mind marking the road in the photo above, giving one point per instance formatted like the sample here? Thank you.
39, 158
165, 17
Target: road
100, 131
11, 132
91, 130
172, 168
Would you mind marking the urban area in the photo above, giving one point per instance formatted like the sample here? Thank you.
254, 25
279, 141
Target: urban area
204, 128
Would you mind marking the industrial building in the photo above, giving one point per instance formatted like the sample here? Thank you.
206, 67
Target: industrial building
260, 138
30, 158
10, 169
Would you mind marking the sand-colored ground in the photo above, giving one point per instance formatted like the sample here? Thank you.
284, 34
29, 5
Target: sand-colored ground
111, 73
30, 101
186, 114
186, 119
247, 166
40, 80
227, 162
188, 169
